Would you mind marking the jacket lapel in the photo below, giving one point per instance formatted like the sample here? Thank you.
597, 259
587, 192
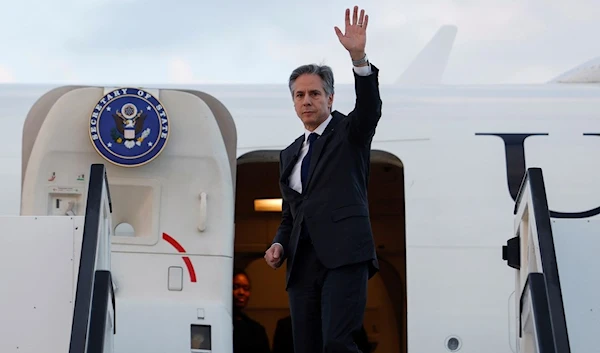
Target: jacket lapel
320, 144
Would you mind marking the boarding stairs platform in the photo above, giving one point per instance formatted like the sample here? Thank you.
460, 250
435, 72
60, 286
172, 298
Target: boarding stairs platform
556, 266
58, 293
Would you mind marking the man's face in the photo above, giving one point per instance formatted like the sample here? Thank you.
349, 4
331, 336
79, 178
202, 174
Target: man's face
311, 103
241, 291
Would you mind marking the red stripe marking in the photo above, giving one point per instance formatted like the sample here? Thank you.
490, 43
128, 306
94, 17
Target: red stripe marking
173, 242
190, 268
179, 248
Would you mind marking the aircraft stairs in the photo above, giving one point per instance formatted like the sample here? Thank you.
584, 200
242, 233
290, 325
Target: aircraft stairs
556, 280
67, 290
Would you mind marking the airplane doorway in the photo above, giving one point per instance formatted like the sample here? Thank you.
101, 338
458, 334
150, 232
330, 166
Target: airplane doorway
257, 222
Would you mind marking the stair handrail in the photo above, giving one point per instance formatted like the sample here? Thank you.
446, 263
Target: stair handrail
103, 309
95, 254
532, 251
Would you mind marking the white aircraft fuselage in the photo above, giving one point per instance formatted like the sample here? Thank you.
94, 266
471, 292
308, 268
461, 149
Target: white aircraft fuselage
463, 151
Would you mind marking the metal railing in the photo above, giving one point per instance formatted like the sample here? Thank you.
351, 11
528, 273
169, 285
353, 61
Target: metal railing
542, 324
94, 283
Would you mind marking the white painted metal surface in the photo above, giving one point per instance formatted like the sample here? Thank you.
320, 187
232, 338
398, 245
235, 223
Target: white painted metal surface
39, 272
577, 245
167, 204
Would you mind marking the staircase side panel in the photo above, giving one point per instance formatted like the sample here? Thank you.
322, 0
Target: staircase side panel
37, 274
577, 247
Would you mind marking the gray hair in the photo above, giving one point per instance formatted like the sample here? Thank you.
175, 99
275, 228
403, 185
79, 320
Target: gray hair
323, 71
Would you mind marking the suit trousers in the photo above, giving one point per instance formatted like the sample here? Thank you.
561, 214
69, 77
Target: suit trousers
327, 305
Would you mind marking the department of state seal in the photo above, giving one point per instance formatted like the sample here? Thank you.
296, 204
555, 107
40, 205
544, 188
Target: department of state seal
129, 127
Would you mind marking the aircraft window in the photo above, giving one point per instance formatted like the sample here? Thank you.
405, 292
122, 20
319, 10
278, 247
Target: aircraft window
453, 344
124, 230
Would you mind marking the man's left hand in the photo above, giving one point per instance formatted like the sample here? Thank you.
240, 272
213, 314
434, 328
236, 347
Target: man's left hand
355, 38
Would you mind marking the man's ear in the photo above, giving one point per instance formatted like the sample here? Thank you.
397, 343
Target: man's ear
330, 101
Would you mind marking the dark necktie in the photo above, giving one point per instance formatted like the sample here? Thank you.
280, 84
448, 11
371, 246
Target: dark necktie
306, 161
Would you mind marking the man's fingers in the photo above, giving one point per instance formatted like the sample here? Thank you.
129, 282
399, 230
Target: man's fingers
272, 255
272, 262
347, 19
339, 33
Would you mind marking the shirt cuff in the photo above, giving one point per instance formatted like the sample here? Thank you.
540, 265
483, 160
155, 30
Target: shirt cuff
363, 70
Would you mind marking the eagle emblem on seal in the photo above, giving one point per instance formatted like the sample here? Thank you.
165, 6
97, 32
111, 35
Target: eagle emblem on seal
129, 126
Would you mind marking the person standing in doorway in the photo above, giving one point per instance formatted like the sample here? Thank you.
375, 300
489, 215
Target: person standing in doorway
325, 232
249, 336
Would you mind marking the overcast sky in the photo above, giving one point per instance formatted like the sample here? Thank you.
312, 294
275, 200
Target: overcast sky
235, 41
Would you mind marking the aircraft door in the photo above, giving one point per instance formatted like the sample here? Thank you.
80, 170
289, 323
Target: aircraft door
170, 157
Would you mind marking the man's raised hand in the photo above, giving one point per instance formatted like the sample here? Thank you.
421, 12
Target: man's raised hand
355, 37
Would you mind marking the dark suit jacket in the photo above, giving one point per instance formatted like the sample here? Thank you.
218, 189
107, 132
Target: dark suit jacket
249, 336
333, 204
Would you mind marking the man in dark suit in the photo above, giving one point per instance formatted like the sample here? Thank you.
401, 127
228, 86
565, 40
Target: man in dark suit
325, 231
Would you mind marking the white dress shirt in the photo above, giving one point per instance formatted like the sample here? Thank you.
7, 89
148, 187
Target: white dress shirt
294, 180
